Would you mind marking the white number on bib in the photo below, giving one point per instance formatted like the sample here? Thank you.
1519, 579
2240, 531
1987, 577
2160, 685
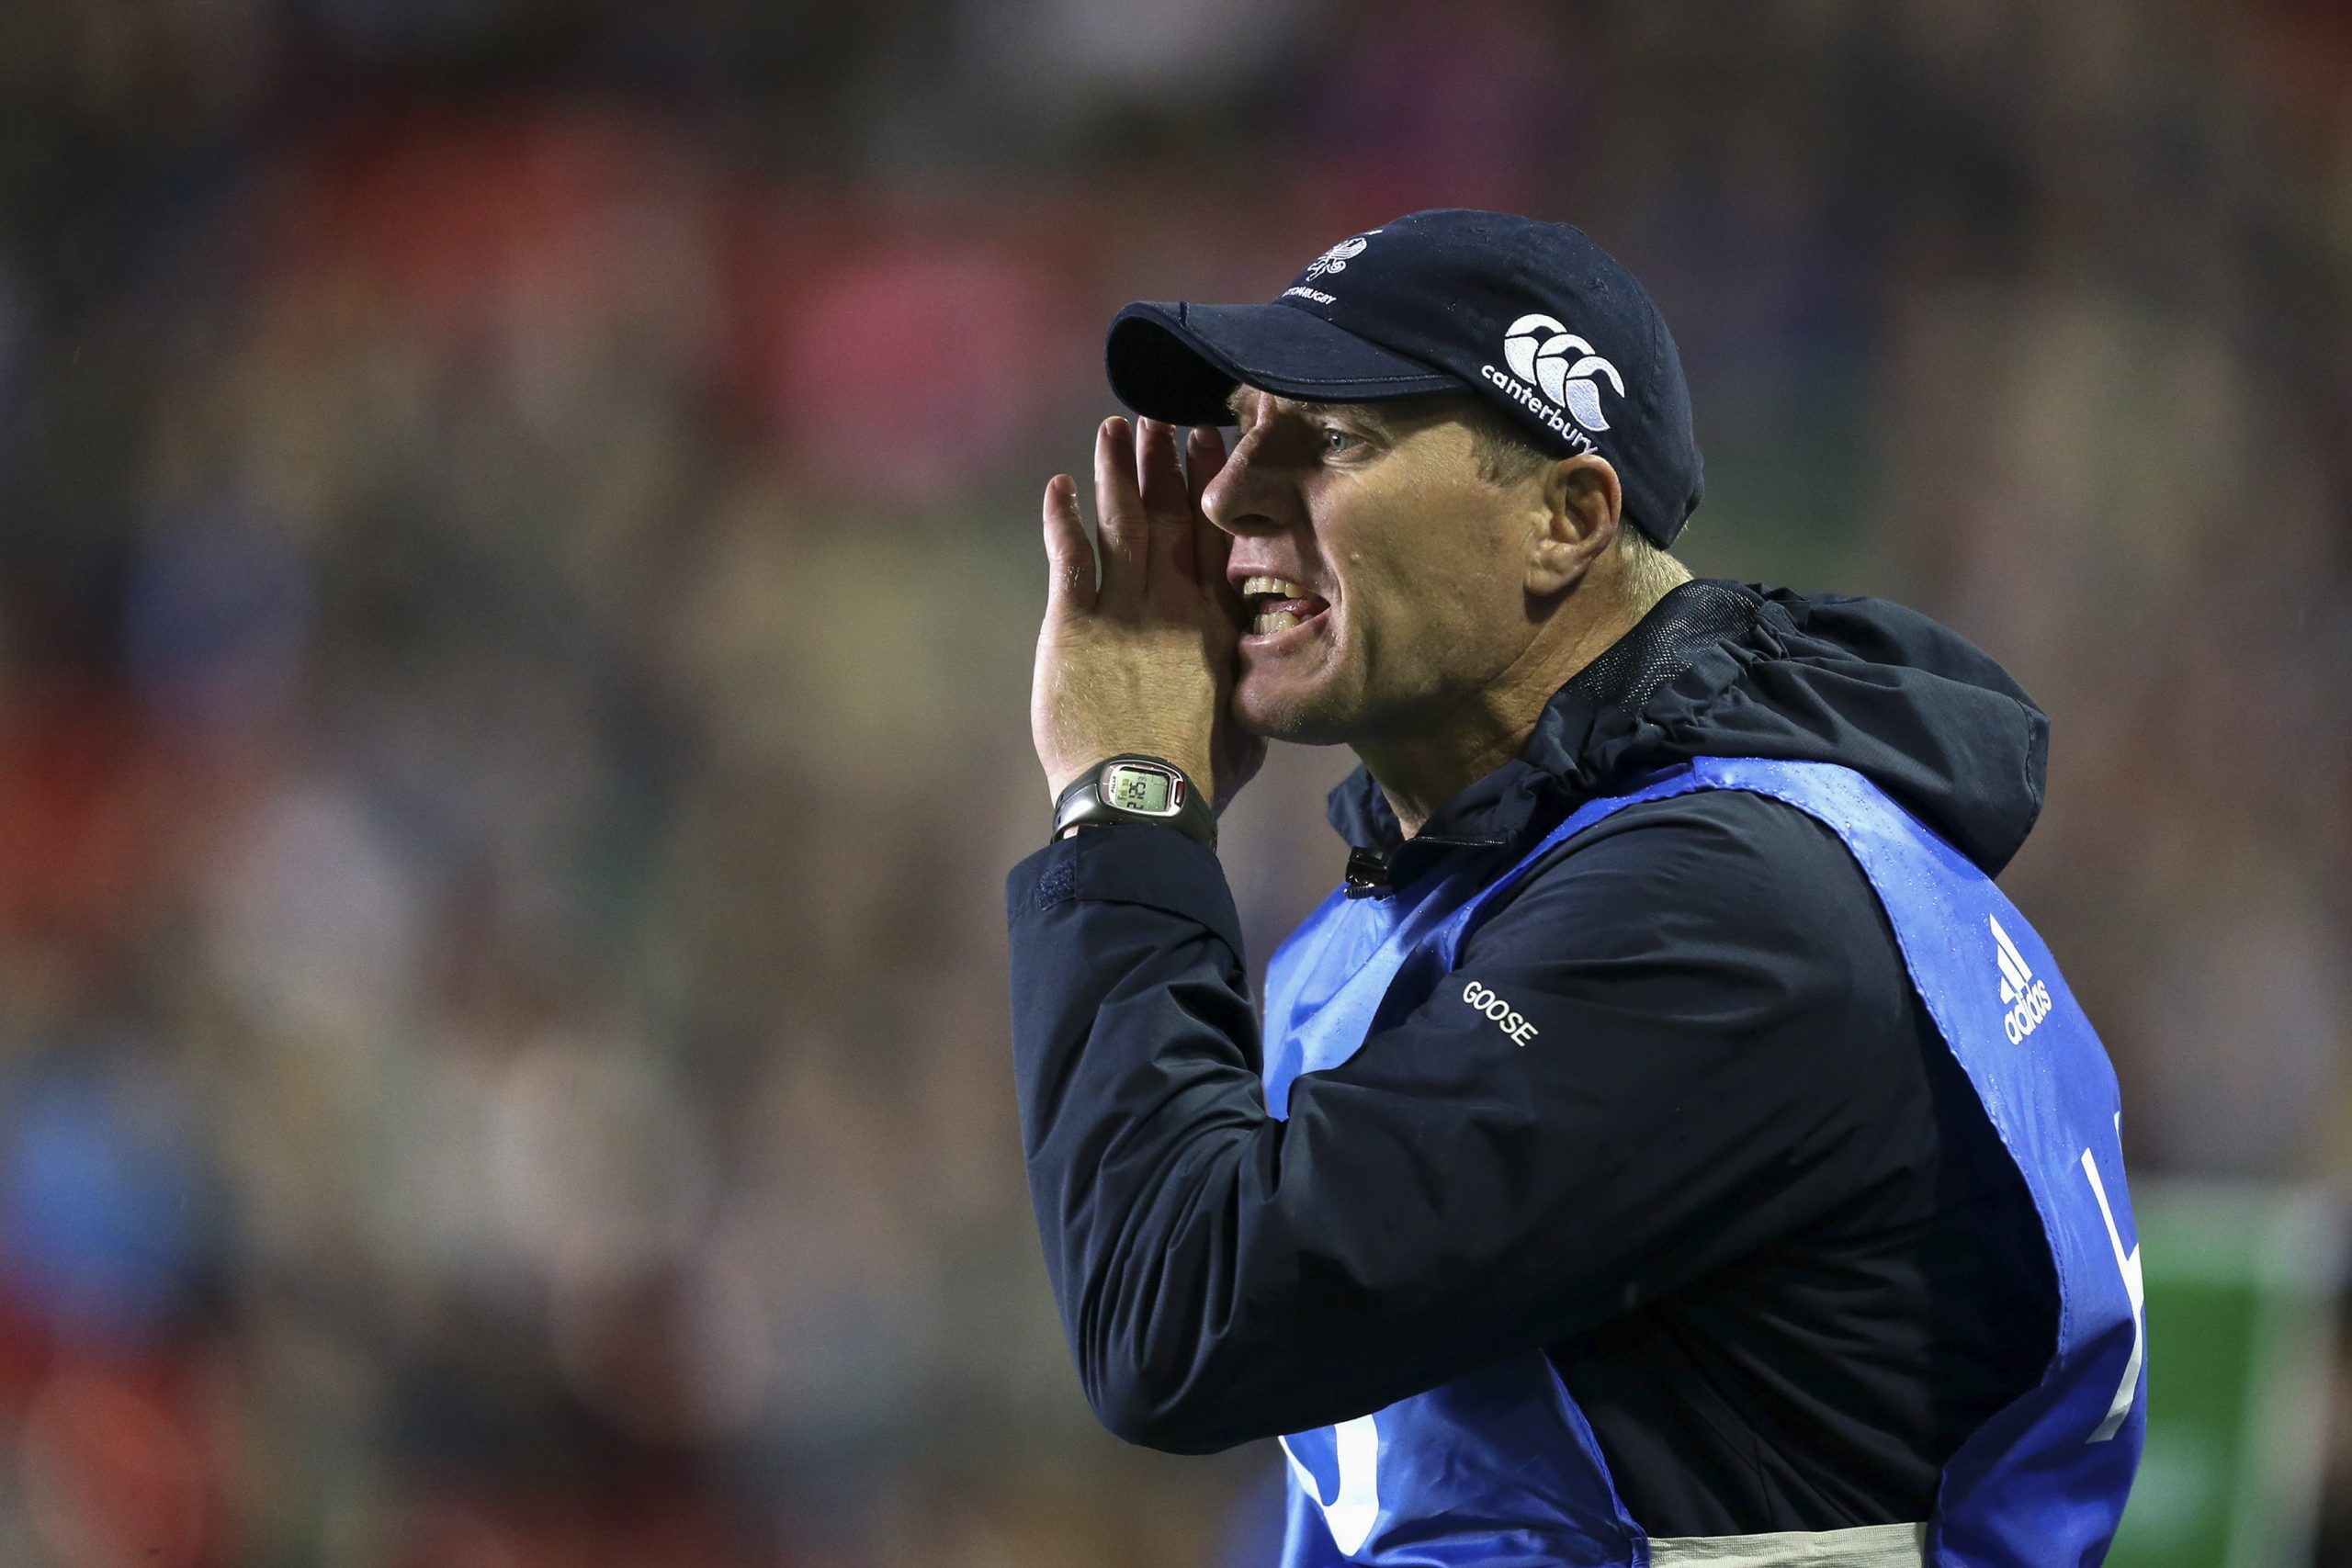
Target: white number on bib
1354, 1504
2129, 1265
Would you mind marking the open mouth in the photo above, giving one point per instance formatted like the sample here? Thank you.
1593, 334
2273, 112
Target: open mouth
1276, 605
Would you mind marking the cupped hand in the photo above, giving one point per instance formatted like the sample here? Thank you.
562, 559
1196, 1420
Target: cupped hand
1140, 658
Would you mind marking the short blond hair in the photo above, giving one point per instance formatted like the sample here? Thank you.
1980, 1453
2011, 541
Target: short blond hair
1506, 455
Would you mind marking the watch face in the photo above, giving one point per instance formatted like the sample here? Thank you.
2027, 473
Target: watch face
1148, 790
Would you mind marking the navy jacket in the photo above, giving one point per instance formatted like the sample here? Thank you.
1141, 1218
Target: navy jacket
1743, 1197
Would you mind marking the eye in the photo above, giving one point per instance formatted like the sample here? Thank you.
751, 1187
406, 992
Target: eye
1335, 440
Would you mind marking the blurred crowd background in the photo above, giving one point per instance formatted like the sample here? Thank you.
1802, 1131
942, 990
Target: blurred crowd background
518, 566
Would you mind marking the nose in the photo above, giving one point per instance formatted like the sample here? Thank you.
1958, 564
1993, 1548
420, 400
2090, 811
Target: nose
1244, 497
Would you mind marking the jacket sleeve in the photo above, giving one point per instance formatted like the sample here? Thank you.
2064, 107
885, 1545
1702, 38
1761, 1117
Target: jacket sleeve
1704, 980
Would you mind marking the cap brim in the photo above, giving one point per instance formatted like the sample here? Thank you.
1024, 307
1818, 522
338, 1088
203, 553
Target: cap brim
1180, 362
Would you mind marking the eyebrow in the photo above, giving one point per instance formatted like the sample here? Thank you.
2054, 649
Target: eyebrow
1368, 415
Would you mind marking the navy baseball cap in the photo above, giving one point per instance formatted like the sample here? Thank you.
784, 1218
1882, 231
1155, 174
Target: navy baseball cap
1533, 317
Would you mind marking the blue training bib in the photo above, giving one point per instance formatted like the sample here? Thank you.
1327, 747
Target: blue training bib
1499, 1468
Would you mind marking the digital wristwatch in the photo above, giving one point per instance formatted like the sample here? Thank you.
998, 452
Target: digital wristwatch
1124, 790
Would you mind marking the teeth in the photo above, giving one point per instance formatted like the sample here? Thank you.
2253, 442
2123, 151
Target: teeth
1281, 586
1273, 621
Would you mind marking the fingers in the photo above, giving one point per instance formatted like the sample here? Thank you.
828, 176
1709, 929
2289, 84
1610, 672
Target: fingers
1119, 516
1147, 513
1203, 459
1069, 556
1166, 504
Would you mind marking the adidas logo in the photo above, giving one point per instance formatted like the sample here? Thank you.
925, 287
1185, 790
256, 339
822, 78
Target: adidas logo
2027, 998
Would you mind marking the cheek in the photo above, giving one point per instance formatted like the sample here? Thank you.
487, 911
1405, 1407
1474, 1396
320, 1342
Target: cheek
1428, 572
1452, 615
1401, 628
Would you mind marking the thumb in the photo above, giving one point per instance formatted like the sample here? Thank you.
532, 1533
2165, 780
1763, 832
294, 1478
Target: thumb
1069, 555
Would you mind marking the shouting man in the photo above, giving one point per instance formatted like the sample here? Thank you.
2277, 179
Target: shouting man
1668, 1145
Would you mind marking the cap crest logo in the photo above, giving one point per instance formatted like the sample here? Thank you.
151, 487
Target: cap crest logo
1336, 259
1537, 348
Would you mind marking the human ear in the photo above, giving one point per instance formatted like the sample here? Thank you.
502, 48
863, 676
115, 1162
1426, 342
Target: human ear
1582, 506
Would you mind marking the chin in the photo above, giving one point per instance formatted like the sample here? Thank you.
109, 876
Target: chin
1306, 717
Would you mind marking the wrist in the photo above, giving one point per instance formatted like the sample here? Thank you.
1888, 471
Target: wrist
1132, 789
1194, 767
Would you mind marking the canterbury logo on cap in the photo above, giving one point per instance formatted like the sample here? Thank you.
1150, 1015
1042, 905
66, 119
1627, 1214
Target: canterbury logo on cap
1537, 348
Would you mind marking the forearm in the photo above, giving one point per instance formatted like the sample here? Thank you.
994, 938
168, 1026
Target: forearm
1134, 1045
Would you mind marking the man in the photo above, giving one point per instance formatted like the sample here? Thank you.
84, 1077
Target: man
1668, 1145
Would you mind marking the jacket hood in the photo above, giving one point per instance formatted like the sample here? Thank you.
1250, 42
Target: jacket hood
1739, 670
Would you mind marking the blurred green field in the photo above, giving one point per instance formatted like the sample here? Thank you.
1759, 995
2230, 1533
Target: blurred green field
2242, 1282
